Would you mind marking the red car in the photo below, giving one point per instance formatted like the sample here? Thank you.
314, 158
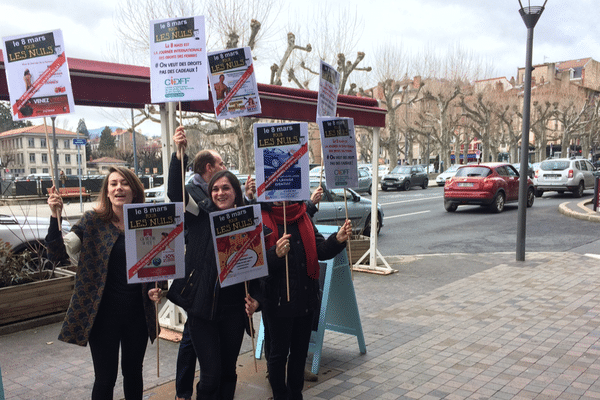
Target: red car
489, 184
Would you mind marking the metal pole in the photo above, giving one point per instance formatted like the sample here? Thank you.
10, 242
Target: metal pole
530, 16
79, 171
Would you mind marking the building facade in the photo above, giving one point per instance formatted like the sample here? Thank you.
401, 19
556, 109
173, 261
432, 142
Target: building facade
24, 151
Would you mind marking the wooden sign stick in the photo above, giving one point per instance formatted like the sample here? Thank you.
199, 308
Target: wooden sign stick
157, 338
349, 247
182, 155
287, 268
251, 331
52, 171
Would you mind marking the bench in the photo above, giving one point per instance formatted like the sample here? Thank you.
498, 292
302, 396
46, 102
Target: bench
73, 192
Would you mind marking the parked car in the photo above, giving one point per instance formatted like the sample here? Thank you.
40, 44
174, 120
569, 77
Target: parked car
365, 180
404, 177
447, 174
488, 184
564, 175
26, 234
530, 170
332, 210
155, 194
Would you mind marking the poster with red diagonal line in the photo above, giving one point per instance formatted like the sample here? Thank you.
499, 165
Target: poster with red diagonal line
37, 73
233, 83
239, 244
281, 160
154, 243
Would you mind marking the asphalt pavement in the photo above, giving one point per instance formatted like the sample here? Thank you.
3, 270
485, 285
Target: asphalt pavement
450, 326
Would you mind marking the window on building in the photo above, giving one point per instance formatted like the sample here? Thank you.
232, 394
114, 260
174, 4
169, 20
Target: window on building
44, 158
67, 144
31, 143
79, 158
68, 171
45, 171
32, 159
43, 143
33, 170
67, 159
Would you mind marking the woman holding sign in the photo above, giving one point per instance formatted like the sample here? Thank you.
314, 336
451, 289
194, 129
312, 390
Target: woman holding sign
291, 238
105, 311
217, 316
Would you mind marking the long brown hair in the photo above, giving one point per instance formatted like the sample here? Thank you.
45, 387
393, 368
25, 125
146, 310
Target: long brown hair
104, 207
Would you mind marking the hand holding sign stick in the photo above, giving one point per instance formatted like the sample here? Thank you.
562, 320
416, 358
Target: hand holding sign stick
52, 169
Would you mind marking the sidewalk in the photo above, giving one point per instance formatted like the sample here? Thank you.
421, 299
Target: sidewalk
444, 326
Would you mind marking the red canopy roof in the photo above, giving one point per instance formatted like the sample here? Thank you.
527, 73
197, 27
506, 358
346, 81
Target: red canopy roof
103, 84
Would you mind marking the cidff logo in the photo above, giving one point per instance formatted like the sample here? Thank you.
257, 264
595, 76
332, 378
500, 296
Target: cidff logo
176, 81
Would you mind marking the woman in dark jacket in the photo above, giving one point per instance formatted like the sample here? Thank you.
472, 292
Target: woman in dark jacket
217, 316
104, 310
288, 322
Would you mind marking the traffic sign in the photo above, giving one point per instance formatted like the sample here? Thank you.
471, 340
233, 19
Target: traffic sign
79, 141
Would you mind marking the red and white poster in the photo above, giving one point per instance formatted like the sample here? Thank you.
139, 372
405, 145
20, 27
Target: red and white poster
233, 83
154, 243
38, 78
239, 244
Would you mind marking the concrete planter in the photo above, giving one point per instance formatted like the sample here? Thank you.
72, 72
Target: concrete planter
36, 299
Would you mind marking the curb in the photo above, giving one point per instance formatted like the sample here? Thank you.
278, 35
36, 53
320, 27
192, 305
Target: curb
586, 214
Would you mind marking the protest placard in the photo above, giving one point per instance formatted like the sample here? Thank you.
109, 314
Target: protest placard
239, 244
233, 83
38, 78
281, 159
329, 86
154, 242
339, 152
178, 60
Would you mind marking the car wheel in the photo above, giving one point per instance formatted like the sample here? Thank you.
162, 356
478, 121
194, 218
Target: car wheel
538, 193
384, 188
530, 196
406, 186
450, 207
425, 183
370, 191
497, 205
367, 230
579, 191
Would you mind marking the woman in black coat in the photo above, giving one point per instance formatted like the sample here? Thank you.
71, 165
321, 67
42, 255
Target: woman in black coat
288, 323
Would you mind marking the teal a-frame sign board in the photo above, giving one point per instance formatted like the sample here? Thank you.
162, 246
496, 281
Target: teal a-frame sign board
339, 309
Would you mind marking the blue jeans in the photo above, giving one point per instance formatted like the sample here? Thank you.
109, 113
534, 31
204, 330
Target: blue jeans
186, 365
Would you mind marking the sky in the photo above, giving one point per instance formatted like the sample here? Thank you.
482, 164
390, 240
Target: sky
492, 31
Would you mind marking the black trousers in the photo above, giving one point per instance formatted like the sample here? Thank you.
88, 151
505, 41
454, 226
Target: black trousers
289, 339
186, 365
111, 331
217, 344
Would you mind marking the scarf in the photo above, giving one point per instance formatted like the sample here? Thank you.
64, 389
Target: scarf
294, 213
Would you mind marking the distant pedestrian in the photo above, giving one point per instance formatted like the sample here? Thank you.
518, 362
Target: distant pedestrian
63, 179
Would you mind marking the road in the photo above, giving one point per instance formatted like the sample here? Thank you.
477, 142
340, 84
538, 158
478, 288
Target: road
416, 223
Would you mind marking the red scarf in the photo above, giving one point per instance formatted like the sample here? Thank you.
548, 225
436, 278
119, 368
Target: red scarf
294, 213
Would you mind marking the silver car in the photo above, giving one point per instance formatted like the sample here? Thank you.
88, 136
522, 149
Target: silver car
332, 210
564, 175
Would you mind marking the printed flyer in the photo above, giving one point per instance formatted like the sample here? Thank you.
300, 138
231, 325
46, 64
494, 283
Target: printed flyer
329, 86
239, 244
154, 242
281, 159
38, 78
339, 152
233, 83
178, 60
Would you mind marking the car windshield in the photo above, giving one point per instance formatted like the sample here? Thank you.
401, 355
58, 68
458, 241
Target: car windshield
473, 172
401, 169
553, 165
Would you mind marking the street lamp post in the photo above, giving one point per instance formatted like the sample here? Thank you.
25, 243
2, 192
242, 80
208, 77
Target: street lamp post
531, 15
